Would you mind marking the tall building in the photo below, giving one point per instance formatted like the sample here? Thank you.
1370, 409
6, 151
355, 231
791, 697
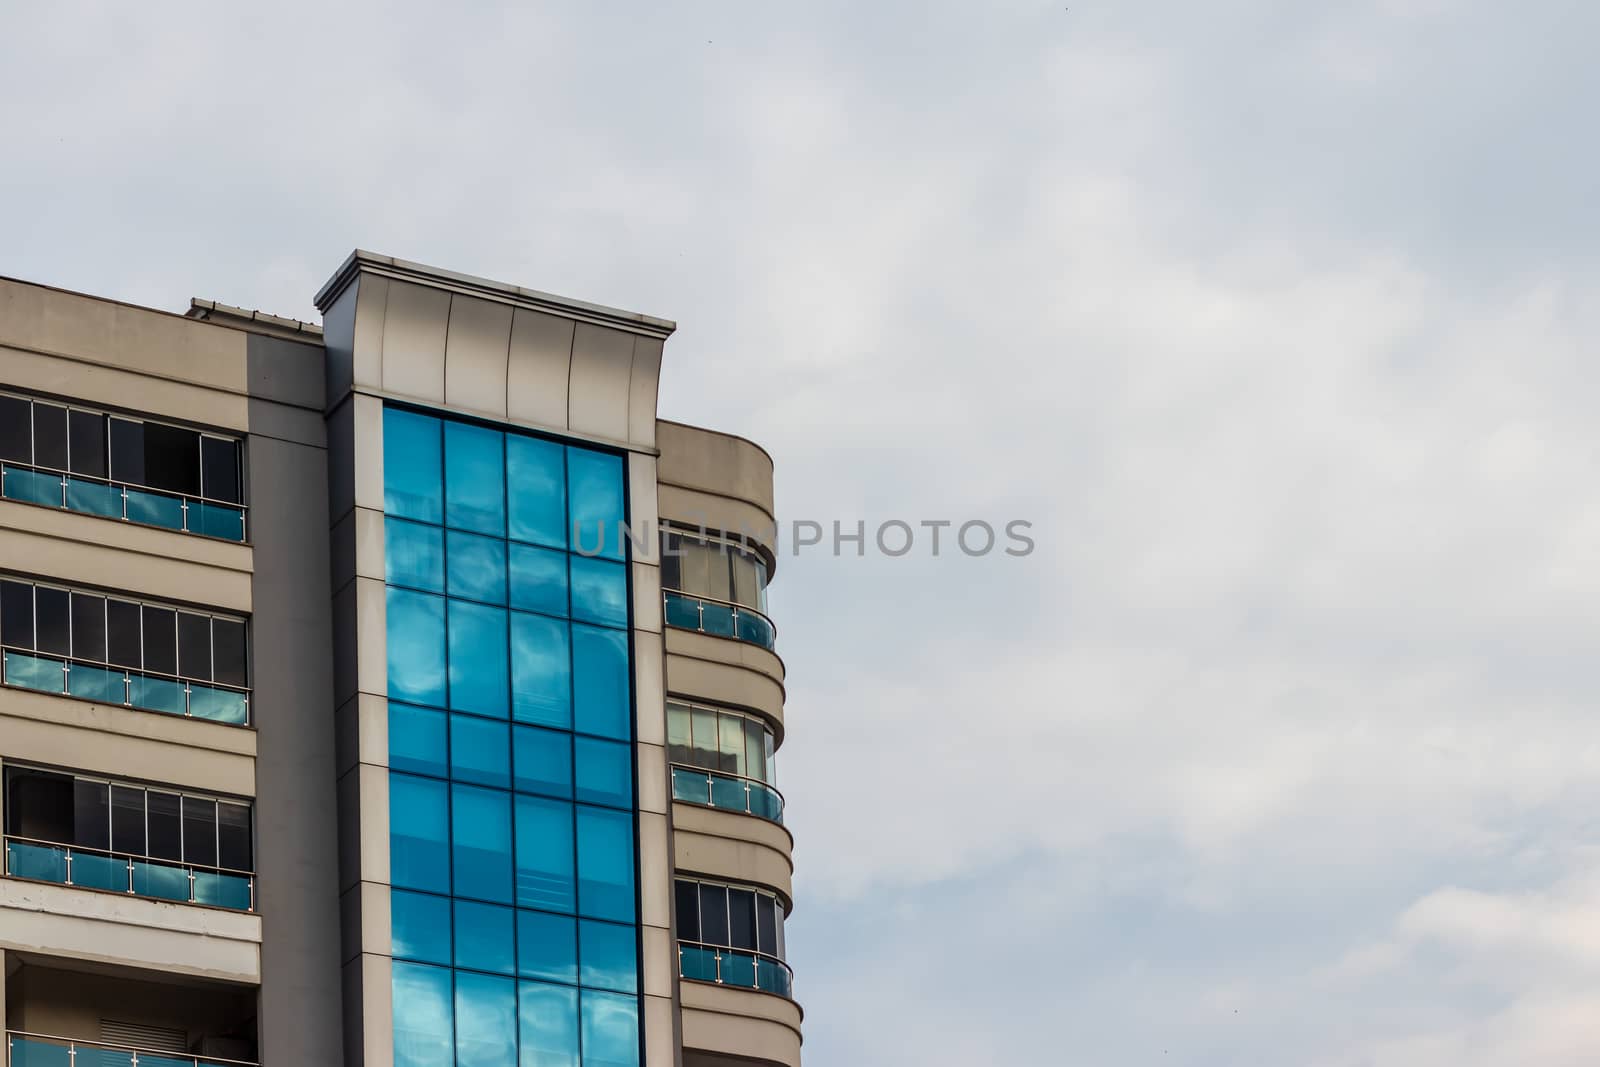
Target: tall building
395, 691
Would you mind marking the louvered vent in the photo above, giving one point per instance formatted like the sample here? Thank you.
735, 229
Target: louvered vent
141, 1036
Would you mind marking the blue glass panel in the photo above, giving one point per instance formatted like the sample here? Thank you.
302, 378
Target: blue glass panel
474, 479
419, 926
480, 751
417, 740
771, 976
542, 761
479, 678
697, 963
413, 555
766, 803
97, 683
605, 864
32, 1052
216, 520
156, 694
608, 956
544, 854
601, 685
547, 946
218, 705
99, 872
416, 647
33, 487
716, 619
539, 580
754, 629
423, 1011
536, 485
94, 498
594, 499
599, 591
413, 473
480, 824
691, 786
541, 666
156, 509
160, 880
727, 793
476, 567
222, 890
738, 969
548, 1021
43, 862
486, 1021
419, 833
610, 1030
603, 772
683, 611
486, 938
35, 672
146, 1059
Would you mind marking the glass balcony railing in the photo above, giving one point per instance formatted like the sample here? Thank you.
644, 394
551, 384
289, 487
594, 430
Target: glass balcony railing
36, 1050
140, 876
728, 792
144, 690
734, 967
118, 500
719, 618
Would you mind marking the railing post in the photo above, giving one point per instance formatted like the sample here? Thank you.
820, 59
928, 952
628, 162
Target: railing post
69, 866
130, 875
183, 506
191, 885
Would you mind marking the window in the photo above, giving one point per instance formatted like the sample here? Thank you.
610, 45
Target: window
711, 567
729, 742
731, 935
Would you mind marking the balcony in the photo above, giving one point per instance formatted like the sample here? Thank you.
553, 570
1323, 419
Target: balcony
37, 1050
727, 792
120, 500
144, 690
719, 618
730, 967
111, 872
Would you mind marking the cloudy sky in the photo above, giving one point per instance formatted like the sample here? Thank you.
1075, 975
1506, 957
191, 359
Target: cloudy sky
1278, 321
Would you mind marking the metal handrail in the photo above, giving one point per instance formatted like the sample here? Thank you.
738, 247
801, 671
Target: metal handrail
130, 858
748, 781
73, 1044
132, 672
182, 498
721, 950
729, 774
737, 607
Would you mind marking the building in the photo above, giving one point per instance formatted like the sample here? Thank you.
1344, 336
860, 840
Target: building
398, 691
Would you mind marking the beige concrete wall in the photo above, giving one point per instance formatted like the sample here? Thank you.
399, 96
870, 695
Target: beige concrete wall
722, 670
731, 847
741, 1023
717, 481
71, 1003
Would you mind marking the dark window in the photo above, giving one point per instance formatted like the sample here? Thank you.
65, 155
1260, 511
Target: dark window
688, 900
160, 640
127, 820
200, 831
671, 565
742, 919
88, 437
713, 914
166, 830
122, 634
16, 429
171, 458
767, 925
127, 451
50, 436
88, 626
16, 614
53, 618
91, 814
39, 805
194, 646
233, 837
219, 469
228, 643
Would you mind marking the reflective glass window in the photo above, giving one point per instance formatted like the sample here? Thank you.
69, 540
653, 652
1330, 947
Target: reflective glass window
122, 634
705, 738
480, 834
486, 1021
610, 1029
480, 751
544, 854
678, 737
419, 833
603, 772
730, 746
127, 451
91, 814
608, 956
171, 458
219, 470
547, 946
476, 567
16, 614
767, 925
86, 433
160, 639
536, 475
127, 820
538, 580
200, 831
413, 466
742, 919
164, 825
424, 1034
755, 747
16, 429
594, 503
228, 652
541, 664
416, 647
548, 1024
599, 591
601, 686
474, 479
713, 914
686, 901
417, 741
50, 436
53, 620
234, 845
542, 761
89, 627
486, 938
194, 646
413, 555
420, 927
605, 864
479, 681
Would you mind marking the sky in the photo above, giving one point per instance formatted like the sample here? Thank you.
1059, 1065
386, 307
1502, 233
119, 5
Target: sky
1276, 321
